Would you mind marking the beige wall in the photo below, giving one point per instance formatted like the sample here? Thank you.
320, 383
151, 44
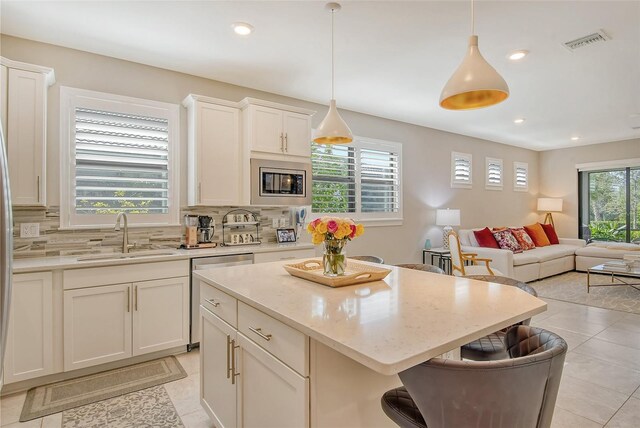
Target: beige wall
559, 176
426, 152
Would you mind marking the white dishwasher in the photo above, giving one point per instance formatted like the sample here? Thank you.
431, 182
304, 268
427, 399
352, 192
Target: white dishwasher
202, 263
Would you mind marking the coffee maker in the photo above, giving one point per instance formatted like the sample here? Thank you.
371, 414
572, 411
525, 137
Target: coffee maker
205, 229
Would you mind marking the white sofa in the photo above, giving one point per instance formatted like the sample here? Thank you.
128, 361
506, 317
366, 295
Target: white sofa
597, 253
529, 265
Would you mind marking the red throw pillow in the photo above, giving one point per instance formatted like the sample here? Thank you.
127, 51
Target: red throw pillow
485, 238
551, 233
536, 232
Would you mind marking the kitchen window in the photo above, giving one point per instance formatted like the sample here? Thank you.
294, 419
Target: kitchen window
362, 180
118, 154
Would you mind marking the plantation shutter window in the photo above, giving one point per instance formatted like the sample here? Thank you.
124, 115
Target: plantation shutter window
461, 170
520, 176
493, 174
119, 155
362, 178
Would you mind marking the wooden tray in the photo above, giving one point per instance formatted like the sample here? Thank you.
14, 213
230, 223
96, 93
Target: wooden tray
356, 273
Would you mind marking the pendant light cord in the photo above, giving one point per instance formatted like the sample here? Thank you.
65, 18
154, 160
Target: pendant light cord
333, 67
473, 20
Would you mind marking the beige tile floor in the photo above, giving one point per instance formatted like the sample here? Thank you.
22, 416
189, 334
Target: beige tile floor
600, 383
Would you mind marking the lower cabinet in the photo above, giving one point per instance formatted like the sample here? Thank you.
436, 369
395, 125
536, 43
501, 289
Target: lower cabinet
217, 389
243, 385
111, 322
270, 394
29, 348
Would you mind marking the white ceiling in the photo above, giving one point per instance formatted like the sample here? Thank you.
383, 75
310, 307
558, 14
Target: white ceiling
393, 58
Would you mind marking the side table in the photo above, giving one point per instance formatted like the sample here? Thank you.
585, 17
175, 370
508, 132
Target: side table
443, 255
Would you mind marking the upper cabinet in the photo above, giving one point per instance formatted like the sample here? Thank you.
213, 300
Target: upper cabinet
276, 129
24, 120
214, 151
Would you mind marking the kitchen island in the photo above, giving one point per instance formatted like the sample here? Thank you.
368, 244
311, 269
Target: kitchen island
281, 351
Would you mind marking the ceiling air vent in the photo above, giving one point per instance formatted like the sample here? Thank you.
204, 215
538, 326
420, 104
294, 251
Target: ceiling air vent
597, 37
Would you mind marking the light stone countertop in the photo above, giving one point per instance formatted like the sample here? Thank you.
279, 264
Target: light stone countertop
409, 317
39, 264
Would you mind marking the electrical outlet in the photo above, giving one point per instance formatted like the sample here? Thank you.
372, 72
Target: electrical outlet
29, 230
275, 223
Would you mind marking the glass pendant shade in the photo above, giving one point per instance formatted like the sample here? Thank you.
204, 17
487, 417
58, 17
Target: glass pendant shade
475, 84
333, 129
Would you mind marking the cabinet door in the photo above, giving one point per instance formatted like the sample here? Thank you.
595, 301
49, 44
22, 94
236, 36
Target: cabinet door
160, 314
217, 155
26, 127
29, 350
297, 134
97, 325
217, 392
270, 394
266, 130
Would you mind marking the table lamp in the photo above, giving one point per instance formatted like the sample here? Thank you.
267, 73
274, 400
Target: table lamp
447, 218
549, 205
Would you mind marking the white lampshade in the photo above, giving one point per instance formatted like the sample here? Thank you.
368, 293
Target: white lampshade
475, 84
448, 217
333, 129
550, 204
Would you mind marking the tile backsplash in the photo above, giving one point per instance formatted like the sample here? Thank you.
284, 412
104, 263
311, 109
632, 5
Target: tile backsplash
56, 242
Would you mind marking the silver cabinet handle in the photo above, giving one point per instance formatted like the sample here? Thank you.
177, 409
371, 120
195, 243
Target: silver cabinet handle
212, 302
228, 356
128, 299
233, 362
199, 193
135, 298
38, 189
286, 142
259, 332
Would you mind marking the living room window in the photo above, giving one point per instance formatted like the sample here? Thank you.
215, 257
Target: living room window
362, 178
610, 204
118, 154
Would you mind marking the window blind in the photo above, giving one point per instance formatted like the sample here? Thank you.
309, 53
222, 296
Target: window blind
494, 173
461, 170
121, 163
521, 176
333, 174
379, 181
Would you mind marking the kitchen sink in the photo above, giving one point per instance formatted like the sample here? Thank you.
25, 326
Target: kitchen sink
120, 256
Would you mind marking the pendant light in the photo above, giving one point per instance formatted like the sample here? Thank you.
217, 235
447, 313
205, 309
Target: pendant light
475, 84
333, 129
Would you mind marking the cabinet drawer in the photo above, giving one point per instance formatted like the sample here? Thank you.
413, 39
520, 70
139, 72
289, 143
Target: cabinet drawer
275, 256
93, 277
220, 303
286, 343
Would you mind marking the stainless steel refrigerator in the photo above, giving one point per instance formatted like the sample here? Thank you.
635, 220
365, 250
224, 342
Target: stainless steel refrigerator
6, 251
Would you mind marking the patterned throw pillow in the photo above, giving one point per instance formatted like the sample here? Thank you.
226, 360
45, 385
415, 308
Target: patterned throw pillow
523, 238
507, 241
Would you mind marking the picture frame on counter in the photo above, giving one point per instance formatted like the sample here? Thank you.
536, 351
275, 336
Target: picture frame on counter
286, 235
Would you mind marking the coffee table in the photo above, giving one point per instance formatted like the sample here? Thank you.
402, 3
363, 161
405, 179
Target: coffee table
616, 275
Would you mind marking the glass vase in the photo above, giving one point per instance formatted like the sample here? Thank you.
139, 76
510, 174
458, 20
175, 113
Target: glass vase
334, 260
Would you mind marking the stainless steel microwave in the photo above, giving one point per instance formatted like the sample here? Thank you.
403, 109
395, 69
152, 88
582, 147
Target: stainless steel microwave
280, 183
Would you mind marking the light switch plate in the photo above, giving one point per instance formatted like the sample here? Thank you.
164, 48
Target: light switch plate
29, 230
274, 222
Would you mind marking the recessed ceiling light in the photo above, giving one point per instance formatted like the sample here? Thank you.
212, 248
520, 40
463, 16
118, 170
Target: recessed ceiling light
242, 28
575, 138
516, 55
519, 120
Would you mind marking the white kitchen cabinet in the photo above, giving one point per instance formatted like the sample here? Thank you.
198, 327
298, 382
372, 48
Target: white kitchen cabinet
274, 256
24, 118
270, 394
160, 314
217, 391
276, 129
29, 349
214, 152
97, 325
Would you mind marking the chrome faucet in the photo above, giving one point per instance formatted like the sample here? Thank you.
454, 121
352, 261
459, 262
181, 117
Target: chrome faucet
125, 234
